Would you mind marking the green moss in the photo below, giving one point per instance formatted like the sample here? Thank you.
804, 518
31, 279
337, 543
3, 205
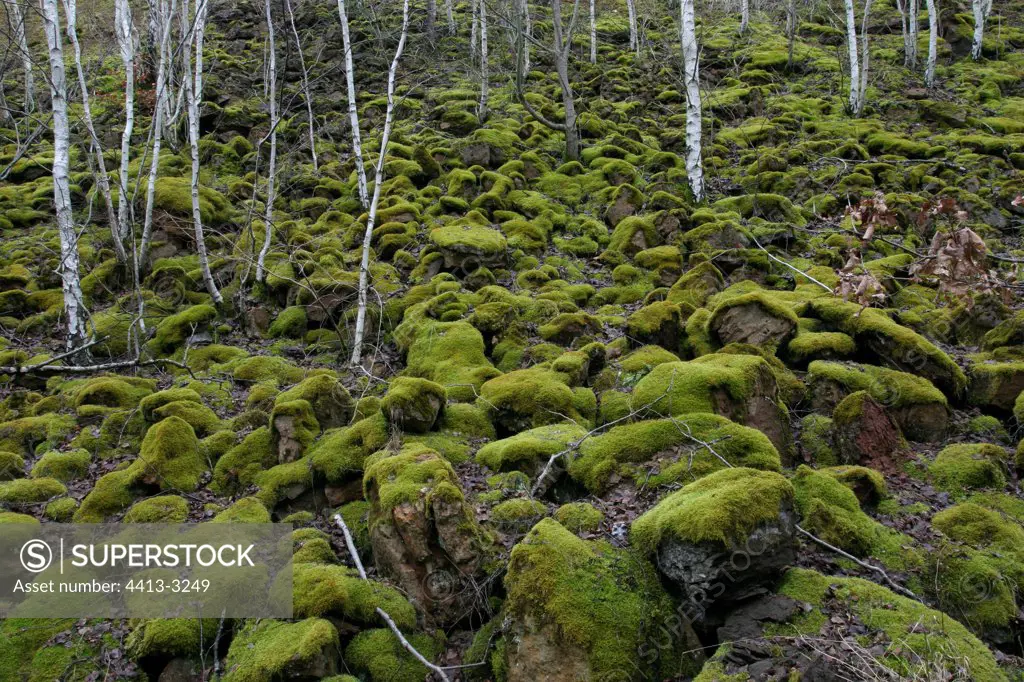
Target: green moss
527, 397
238, 467
643, 360
409, 475
265, 368
30, 491
112, 493
201, 418
28, 435
338, 592
290, 323
725, 506
414, 404
807, 346
987, 426
669, 451
61, 510
966, 466
357, 517
379, 654
518, 514
979, 527
156, 400
162, 509
524, 451
579, 517
332, 404
938, 639
815, 440
687, 387
265, 650
604, 601
340, 453
246, 510
293, 427
12, 466
174, 330
994, 384
109, 392
164, 638
566, 327
174, 195
449, 353
63, 466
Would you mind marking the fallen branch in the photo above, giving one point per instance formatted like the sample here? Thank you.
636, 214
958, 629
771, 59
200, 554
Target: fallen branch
381, 612
48, 366
863, 564
792, 267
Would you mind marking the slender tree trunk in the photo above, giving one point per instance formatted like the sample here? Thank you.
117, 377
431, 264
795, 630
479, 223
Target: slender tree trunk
268, 217
450, 11
933, 43
431, 20
307, 94
126, 43
484, 66
691, 78
18, 24
353, 113
864, 58
593, 32
5, 110
634, 39
364, 265
194, 96
744, 15
527, 28
100, 170
980, 10
790, 32
563, 46
474, 28
851, 44
74, 310
912, 27
159, 107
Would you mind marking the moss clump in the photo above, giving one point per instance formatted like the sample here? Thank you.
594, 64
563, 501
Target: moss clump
379, 654
28, 435
174, 330
407, 476
237, 468
169, 458
932, 636
266, 650
310, 546
579, 517
357, 517
338, 592
63, 466
61, 510
994, 384
527, 398
413, 404
201, 418
979, 527
519, 514
30, 491
966, 466
670, 449
290, 323
686, 387
154, 401
246, 510
807, 346
292, 428
449, 353
340, 453
815, 440
109, 392
332, 404
866, 483
267, 368
725, 507
162, 509
12, 466
112, 493
593, 599
525, 450
165, 638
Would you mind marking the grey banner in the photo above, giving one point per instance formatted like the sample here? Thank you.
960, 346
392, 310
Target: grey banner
207, 570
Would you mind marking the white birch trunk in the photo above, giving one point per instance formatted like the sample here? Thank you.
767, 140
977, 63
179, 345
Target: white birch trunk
933, 43
159, 109
306, 92
474, 28
481, 112
691, 78
194, 96
593, 32
912, 27
864, 59
364, 265
126, 44
450, 10
18, 24
979, 9
851, 44
100, 171
431, 19
268, 216
744, 15
634, 39
74, 310
353, 113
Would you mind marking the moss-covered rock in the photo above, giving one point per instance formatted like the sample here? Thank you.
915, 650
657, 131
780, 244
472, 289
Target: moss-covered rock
967, 466
756, 318
378, 654
174, 330
338, 592
579, 517
864, 432
527, 398
293, 427
63, 466
413, 404
274, 651
529, 450
161, 509
332, 404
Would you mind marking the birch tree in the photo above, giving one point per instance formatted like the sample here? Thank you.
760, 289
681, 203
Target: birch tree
306, 92
593, 32
474, 28
744, 15
74, 310
126, 46
485, 76
560, 49
18, 25
909, 10
353, 113
364, 264
450, 10
933, 43
193, 96
634, 39
431, 19
855, 103
268, 217
981, 9
100, 170
166, 12
691, 79
865, 57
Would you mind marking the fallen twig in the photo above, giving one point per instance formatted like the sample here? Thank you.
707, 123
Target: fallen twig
381, 612
792, 267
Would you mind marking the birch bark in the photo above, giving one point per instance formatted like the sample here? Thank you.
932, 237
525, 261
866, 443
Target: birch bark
691, 79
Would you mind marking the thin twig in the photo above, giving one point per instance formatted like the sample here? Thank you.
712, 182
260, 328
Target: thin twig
863, 564
381, 612
792, 267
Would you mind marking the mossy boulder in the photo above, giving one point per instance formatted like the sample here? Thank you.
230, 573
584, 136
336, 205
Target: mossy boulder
160, 509
470, 243
660, 323
448, 353
693, 533
379, 655
332, 591
585, 610
12, 466
175, 330
275, 651
63, 466
742, 388
414, 404
528, 451
966, 466
238, 467
203, 420
27, 435
864, 432
527, 398
756, 318
995, 385
331, 402
293, 427
154, 401
579, 517
24, 491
